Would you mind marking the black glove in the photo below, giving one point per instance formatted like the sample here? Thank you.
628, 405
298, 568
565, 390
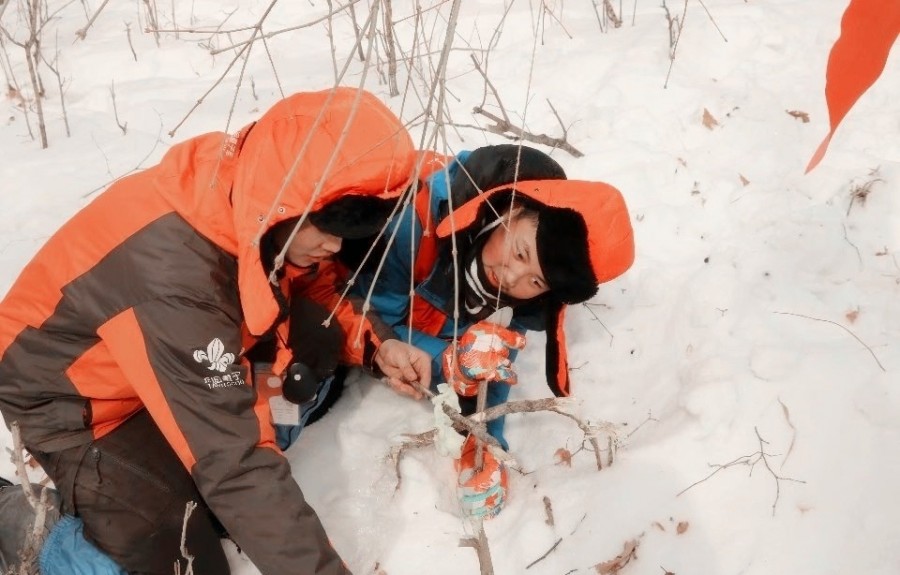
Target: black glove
316, 350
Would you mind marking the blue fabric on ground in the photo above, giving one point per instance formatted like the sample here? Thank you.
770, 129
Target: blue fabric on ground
67, 552
286, 435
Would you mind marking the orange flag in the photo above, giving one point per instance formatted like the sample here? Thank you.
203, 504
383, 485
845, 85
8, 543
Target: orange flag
868, 30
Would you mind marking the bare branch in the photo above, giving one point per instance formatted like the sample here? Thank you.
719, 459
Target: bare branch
471, 425
676, 25
244, 48
840, 326
59, 82
112, 92
390, 50
713, 20
139, 166
358, 30
268, 35
152, 19
513, 132
189, 569
81, 33
128, 35
414, 442
787, 417
482, 549
490, 85
751, 461
544, 556
611, 14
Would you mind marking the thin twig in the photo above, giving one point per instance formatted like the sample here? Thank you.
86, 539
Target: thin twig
59, 82
544, 556
329, 31
787, 417
81, 33
713, 20
152, 19
674, 36
269, 35
490, 85
132, 170
188, 509
19, 462
413, 442
390, 49
112, 92
244, 48
274, 71
751, 461
130, 44
358, 31
640, 425
858, 254
840, 326
587, 306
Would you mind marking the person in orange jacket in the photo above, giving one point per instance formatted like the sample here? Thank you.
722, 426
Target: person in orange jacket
127, 344
528, 239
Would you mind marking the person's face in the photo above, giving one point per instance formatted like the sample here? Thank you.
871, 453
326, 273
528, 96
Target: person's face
311, 246
510, 259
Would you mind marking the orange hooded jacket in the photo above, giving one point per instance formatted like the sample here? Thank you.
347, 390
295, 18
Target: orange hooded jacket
148, 297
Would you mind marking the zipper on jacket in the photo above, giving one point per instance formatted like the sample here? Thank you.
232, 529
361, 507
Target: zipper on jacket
97, 454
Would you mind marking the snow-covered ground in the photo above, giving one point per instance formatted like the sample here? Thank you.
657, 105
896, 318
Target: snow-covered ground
761, 313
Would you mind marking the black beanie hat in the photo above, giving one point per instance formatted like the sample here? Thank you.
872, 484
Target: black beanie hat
491, 166
353, 217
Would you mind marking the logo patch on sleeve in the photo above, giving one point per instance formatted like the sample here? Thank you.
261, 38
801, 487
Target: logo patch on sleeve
215, 355
218, 360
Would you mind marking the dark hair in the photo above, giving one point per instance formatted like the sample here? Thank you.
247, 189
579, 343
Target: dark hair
353, 216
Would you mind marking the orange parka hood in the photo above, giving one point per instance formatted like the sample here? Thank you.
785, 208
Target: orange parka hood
306, 151
610, 238
609, 247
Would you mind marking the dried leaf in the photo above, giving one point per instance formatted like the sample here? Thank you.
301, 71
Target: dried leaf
682, 527
564, 456
803, 116
744, 180
708, 119
613, 566
852, 315
658, 525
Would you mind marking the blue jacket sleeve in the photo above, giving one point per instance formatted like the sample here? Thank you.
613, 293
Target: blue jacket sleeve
390, 296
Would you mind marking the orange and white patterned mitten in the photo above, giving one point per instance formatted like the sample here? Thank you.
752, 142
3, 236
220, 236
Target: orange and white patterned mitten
483, 355
481, 493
